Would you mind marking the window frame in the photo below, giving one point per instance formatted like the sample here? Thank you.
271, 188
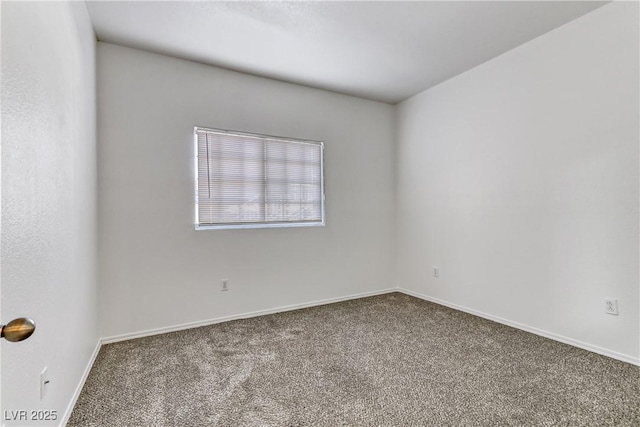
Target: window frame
229, 226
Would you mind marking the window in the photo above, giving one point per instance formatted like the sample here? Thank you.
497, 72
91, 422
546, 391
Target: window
245, 180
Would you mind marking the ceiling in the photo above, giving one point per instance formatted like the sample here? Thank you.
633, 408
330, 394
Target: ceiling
385, 51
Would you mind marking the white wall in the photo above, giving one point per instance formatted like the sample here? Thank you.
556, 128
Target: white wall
49, 227
156, 270
519, 180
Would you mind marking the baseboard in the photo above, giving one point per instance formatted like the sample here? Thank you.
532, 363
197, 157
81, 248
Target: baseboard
65, 419
585, 346
247, 315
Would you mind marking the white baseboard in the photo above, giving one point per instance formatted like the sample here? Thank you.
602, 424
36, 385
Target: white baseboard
65, 419
585, 346
207, 322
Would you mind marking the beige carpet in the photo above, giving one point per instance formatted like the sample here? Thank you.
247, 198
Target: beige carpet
390, 360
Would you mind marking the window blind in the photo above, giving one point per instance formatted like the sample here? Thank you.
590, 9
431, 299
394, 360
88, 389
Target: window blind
247, 179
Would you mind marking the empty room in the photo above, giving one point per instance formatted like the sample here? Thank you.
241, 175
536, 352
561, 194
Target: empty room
320, 213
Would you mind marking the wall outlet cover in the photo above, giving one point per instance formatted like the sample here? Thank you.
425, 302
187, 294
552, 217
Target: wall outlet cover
44, 382
611, 306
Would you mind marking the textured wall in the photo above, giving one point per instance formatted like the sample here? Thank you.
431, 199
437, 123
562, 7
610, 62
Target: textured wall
519, 179
156, 270
48, 199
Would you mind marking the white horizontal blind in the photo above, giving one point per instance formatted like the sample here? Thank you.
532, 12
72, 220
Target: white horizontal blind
248, 179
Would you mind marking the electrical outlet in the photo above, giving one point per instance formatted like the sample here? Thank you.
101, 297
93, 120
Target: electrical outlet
611, 306
436, 272
224, 285
44, 382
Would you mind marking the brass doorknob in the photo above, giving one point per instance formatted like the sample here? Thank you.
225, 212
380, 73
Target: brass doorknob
18, 329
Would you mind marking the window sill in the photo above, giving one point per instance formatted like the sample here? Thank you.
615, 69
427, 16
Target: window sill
261, 225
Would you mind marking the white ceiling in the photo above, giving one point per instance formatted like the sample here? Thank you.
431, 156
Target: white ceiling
385, 51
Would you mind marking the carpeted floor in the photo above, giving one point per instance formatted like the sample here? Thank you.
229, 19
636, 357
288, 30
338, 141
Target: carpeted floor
390, 360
